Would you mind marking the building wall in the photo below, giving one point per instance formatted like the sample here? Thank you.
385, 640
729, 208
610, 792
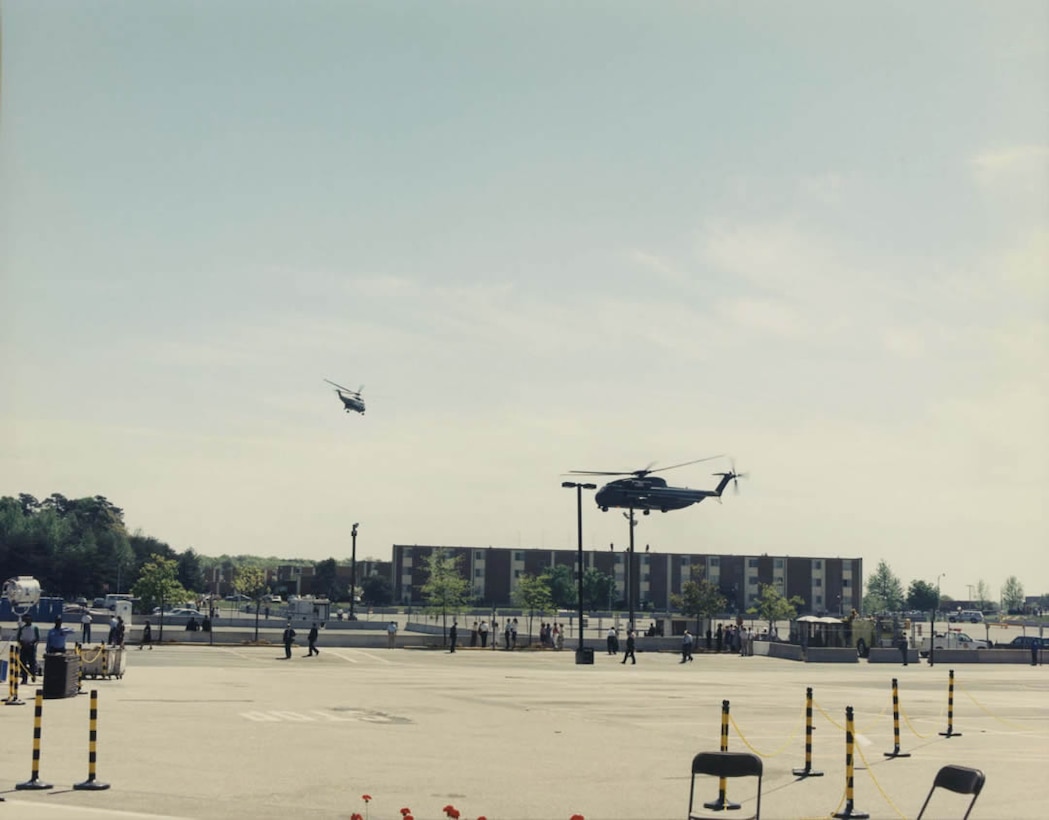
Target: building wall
494, 572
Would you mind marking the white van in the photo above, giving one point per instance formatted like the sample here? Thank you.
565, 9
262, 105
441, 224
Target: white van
969, 616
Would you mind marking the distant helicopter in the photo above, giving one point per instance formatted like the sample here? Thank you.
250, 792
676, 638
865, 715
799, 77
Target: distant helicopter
351, 399
646, 492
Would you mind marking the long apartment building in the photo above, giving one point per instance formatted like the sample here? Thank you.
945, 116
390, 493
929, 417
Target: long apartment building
830, 585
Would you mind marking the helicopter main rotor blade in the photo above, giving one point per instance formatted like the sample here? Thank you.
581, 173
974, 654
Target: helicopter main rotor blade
596, 472
684, 464
333, 384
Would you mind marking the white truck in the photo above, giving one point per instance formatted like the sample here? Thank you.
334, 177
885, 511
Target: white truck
951, 640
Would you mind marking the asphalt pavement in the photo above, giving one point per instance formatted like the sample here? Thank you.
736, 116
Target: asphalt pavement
232, 731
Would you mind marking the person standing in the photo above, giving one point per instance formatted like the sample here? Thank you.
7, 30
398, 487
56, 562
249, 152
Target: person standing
506, 633
483, 632
27, 637
513, 633
719, 636
453, 635
902, 646
147, 636
710, 636
289, 636
686, 646
559, 640
311, 638
629, 653
473, 634
85, 627
610, 641
391, 634
56, 638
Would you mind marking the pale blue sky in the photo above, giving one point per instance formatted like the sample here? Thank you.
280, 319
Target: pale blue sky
544, 236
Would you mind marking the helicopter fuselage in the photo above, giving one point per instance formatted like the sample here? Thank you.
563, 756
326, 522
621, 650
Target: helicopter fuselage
649, 493
351, 403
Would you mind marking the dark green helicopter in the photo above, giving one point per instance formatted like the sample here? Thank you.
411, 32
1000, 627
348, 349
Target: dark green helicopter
646, 492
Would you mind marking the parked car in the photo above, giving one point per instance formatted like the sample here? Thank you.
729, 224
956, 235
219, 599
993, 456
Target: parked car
237, 597
1026, 642
969, 616
179, 613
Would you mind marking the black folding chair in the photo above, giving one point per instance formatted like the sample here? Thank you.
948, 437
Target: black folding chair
725, 765
958, 779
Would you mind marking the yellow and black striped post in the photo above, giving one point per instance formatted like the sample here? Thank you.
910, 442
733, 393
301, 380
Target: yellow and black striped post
848, 814
91, 784
808, 771
14, 672
722, 802
896, 724
35, 782
950, 709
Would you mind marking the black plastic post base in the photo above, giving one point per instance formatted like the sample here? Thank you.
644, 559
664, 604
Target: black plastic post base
897, 753
91, 785
33, 785
584, 655
721, 804
849, 814
807, 772
949, 733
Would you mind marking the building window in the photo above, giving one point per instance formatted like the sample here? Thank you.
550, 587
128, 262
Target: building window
817, 564
819, 600
517, 573
752, 563
845, 582
478, 573
518, 555
714, 562
817, 582
778, 563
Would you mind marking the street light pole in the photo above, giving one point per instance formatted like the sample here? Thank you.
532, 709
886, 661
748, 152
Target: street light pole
580, 652
353, 569
631, 576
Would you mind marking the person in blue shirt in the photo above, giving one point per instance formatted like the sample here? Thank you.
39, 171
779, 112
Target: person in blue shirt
56, 638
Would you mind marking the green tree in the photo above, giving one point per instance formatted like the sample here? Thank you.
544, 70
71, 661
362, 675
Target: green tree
561, 582
326, 579
158, 585
701, 599
598, 588
533, 594
884, 591
1012, 595
190, 571
377, 590
922, 595
983, 594
445, 590
772, 606
251, 581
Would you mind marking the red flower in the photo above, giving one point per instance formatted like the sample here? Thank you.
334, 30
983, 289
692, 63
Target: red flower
451, 811
482, 817
366, 797
356, 816
405, 812
408, 817
577, 817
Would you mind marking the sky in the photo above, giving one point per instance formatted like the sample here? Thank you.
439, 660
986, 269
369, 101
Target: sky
812, 237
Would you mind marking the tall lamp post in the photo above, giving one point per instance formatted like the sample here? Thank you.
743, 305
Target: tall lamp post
932, 627
353, 569
581, 655
631, 575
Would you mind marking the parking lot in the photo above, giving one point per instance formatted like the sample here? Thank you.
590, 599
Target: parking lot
226, 731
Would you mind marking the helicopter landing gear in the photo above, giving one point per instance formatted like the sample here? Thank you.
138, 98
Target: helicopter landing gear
604, 509
646, 512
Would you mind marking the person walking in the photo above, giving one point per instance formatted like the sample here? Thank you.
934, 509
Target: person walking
612, 641
901, 644
311, 639
391, 634
147, 636
513, 633
85, 627
289, 636
686, 647
453, 635
27, 637
629, 653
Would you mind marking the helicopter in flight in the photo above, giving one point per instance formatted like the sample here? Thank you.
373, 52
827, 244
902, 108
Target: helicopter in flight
351, 399
646, 492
